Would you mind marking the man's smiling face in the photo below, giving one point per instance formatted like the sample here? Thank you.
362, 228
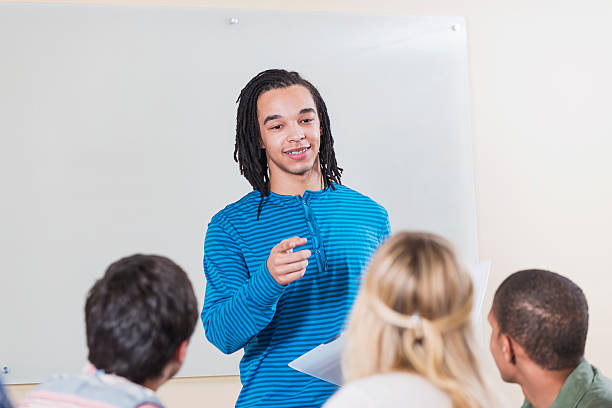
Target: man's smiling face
290, 130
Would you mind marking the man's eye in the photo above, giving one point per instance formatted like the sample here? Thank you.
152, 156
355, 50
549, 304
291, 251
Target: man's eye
307, 120
277, 127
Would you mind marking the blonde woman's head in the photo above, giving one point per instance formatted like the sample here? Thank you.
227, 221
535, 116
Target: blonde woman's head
413, 314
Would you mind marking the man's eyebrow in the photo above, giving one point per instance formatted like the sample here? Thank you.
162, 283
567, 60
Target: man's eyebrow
271, 117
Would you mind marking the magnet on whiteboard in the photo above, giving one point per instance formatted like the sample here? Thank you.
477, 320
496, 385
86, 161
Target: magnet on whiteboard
455, 27
5, 370
233, 21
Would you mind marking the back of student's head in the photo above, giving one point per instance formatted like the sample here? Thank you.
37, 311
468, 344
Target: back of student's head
546, 314
413, 314
4, 400
137, 315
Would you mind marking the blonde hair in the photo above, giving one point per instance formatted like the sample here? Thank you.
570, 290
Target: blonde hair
413, 314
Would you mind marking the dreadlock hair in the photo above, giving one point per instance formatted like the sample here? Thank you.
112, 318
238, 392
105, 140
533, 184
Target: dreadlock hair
248, 153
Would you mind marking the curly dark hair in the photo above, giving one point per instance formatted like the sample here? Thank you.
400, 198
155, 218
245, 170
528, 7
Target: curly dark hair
137, 315
547, 314
248, 153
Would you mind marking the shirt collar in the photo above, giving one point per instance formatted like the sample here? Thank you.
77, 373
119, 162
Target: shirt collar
574, 387
308, 194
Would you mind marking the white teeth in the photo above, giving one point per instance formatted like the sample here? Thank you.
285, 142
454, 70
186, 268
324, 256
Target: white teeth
298, 151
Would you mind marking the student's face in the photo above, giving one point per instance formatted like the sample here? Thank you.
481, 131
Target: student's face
500, 350
290, 130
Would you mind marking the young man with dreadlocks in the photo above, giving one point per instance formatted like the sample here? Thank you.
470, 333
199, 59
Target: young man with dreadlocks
283, 264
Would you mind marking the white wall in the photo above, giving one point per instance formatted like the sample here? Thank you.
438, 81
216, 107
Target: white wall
541, 90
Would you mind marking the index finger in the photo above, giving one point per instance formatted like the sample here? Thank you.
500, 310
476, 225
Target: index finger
288, 244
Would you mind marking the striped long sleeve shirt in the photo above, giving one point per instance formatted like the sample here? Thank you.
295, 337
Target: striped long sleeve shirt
244, 307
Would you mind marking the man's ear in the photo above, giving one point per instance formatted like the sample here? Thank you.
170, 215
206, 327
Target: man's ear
181, 352
508, 349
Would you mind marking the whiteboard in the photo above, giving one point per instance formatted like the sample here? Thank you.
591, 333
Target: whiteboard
118, 124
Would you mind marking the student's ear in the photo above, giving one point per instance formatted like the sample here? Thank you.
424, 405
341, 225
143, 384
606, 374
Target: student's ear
507, 346
181, 352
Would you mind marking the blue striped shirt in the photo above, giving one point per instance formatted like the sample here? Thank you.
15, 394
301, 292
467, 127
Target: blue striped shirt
244, 307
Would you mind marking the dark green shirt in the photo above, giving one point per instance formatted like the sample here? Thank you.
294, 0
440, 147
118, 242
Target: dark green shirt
585, 387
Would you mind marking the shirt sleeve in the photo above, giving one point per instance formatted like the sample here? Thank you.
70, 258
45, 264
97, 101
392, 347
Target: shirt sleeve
238, 302
386, 230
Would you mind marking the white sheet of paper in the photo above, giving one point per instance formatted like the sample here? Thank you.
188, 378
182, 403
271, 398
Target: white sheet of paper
324, 361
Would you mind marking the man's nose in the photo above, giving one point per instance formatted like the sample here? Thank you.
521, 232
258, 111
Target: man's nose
296, 134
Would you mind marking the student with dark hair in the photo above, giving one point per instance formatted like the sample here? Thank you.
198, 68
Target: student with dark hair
283, 264
540, 321
4, 400
139, 317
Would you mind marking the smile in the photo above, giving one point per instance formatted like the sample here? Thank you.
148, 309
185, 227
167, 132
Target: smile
296, 152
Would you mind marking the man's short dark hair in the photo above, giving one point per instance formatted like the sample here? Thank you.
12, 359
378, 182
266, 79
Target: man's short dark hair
137, 315
547, 314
